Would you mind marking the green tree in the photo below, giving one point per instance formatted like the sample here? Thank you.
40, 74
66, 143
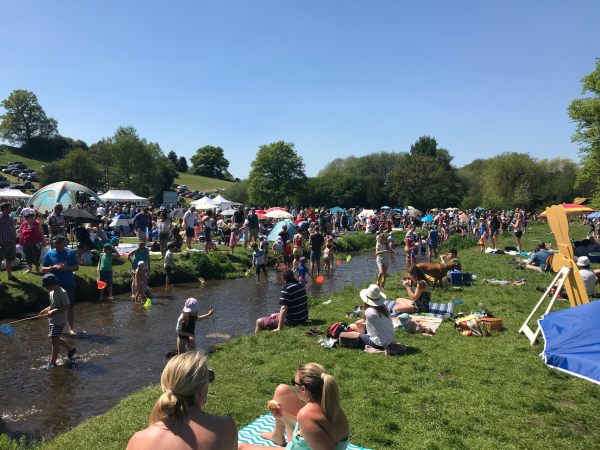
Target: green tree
51, 148
210, 162
172, 156
78, 165
25, 119
182, 164
238, 192
585, 112
276, 175
427, 178
135, 164
470, 179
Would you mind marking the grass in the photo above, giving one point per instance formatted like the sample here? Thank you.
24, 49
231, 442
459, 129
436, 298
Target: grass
450, 391
8, 153
202, 184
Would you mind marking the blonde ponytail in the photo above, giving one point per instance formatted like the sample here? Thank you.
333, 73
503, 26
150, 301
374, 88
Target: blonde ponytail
181, 379
330, 399
322, 387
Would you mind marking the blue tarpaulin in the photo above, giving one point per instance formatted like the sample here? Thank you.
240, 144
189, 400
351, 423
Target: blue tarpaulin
573, 341
291, 228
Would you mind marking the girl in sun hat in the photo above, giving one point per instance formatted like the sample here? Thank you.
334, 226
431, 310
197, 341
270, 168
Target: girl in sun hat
186, 325
377, 330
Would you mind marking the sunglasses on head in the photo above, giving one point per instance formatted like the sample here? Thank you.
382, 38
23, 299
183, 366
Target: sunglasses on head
295, 383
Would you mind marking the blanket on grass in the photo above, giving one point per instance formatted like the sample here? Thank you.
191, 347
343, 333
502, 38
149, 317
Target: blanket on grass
251, 433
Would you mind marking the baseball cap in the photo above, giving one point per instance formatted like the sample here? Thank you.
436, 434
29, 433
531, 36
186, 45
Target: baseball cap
191, 305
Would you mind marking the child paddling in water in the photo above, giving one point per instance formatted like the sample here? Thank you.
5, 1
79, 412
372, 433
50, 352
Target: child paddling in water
186, 325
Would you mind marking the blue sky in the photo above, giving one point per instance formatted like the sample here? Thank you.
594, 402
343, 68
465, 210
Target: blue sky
337, 78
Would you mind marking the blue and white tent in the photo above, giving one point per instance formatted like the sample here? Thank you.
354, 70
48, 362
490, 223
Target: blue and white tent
291, 228
573, 341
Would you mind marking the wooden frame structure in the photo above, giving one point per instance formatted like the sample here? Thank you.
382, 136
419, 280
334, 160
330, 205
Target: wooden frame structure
567, 272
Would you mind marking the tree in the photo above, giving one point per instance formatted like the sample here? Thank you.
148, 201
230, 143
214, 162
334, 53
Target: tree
78, 165
427, 178
182, 165
210, 162
172, 156
135, 164
51, 148
276, 175
586, 114
25, 119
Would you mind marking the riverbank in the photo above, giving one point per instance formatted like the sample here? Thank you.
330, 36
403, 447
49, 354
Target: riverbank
26, 295
450, 391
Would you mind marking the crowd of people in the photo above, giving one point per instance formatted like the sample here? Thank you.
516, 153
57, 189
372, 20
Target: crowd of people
307, 413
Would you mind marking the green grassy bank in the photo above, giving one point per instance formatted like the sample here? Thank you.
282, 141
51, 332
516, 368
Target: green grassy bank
26, 295
450, 391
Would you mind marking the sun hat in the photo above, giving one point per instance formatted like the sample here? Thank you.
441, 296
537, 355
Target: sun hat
372, 295
107, 245
191, 305
49, 280
583, 261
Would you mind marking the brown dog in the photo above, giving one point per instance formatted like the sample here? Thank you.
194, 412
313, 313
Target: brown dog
438, 271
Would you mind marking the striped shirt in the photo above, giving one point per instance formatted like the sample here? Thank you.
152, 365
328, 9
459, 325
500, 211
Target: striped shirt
293, 295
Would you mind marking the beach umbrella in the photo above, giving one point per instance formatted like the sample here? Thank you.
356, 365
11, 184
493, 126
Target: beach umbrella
278, 214
398, 210
337, 209
366, 213
414, 212
385, 207
275, 208
427, 218
80, 215
572, 208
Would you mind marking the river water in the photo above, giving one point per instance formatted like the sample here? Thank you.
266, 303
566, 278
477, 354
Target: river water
124, 344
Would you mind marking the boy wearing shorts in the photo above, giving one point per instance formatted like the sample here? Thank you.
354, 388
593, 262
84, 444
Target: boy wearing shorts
57, 318
259, 262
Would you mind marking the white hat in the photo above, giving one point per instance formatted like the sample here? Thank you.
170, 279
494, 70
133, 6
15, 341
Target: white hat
583, 261
191, 305
372, 296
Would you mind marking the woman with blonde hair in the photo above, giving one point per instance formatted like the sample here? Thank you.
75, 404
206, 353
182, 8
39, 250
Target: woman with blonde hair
177, 421
307, 414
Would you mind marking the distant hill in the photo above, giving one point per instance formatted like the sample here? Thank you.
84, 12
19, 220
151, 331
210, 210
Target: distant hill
193, 182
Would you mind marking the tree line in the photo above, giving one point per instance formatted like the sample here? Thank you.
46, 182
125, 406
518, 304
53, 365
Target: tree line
423, 176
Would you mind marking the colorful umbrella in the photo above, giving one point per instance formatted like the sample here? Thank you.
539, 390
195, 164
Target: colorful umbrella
572, 208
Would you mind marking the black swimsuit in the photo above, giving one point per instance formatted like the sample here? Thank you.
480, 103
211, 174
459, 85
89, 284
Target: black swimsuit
422, 303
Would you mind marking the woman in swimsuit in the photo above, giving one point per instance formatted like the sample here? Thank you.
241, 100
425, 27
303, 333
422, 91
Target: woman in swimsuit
177, 420
307, 413
419, 297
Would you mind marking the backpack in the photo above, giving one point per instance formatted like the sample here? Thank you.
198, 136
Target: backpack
336, 329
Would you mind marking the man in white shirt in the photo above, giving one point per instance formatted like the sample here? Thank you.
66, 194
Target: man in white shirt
588, 275
189, 222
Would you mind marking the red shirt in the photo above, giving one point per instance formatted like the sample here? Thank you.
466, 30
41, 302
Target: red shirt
30, 234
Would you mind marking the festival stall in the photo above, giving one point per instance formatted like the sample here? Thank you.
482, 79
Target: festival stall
122, 196
13, 194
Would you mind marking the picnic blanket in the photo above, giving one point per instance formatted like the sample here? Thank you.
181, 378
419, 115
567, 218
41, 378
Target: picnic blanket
430, 322
250, 434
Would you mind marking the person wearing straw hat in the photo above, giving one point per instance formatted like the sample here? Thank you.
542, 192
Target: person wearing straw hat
377, 330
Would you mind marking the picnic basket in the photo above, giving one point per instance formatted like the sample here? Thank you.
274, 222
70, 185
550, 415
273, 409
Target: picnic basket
491, 323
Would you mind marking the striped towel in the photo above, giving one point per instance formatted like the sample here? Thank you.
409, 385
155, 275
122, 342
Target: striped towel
441, 310
250, 434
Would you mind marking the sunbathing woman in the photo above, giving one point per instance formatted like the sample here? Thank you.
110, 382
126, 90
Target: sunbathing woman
307, 414
419, 291
177, 421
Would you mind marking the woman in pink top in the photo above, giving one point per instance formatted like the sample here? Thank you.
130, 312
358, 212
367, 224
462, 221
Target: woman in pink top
31, 240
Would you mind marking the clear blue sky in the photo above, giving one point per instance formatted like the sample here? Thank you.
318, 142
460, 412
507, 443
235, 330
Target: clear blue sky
337, 78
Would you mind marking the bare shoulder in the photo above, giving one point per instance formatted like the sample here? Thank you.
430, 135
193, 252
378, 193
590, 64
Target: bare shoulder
142, 439
311, 412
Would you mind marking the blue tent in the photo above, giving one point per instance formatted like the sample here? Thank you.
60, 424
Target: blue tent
278, 226
573, 341
594, 215
427, 218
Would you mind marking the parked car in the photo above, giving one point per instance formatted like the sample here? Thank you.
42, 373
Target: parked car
31, 178
4, 184
3, 179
